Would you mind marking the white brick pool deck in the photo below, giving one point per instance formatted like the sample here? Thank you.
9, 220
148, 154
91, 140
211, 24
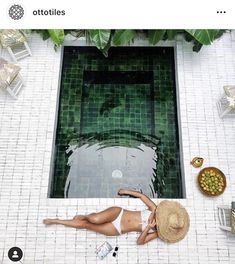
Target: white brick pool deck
26, 135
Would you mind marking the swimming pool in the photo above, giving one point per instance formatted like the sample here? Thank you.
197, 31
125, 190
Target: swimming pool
117, 124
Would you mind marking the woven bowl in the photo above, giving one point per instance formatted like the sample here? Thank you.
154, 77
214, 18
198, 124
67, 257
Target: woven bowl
217, 171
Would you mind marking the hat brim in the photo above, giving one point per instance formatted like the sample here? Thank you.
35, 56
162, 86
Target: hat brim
165, 232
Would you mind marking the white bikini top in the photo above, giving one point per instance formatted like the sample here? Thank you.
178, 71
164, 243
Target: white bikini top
144, 219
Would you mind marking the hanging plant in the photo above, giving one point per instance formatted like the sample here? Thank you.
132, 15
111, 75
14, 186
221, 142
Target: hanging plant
154, 36
123, 37
99, 37
103, 39
202, 37
57, 36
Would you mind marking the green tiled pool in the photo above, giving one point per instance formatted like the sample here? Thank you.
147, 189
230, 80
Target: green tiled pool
117, 124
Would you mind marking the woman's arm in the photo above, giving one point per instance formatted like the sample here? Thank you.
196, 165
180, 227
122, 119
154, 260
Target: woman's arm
145, 237
145, 199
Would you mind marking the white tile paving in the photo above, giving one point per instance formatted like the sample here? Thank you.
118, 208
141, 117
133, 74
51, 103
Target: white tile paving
26, 135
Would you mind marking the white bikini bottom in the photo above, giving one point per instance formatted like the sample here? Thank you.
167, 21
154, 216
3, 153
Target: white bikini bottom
117, 222
144, 217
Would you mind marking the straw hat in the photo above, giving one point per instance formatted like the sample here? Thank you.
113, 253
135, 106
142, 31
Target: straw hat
172, 221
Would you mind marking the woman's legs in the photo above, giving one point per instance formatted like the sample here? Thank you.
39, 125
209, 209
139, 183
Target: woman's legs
106, 216
106, 229
99, 222
69, 223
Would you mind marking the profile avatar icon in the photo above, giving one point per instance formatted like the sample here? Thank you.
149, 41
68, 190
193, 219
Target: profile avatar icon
15, 254
16, 12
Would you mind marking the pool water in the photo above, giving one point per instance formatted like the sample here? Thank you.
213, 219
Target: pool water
117, 124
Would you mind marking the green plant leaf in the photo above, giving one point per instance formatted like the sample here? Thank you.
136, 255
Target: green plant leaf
105, 51
171, 33
204, 36
155, 36
100, 37
104, 38
123, 36
197, 46
77, 33
57, 36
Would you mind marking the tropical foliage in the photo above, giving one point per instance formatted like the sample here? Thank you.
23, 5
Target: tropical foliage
57, 36
103, 39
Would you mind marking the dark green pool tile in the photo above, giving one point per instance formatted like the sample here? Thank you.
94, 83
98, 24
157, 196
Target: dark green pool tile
135, 109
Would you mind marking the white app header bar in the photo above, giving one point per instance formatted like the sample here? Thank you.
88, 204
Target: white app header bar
123, 14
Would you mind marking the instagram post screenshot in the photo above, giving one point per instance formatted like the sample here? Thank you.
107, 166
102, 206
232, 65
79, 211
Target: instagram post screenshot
117, 132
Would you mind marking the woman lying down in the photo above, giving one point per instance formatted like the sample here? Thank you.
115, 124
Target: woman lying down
168, 220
